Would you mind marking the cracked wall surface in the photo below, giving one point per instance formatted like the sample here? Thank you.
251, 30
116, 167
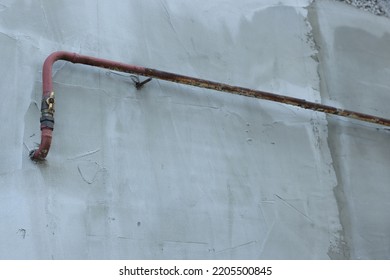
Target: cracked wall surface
174, 172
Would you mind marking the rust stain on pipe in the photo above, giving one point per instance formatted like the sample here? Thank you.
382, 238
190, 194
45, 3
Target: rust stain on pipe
47, 109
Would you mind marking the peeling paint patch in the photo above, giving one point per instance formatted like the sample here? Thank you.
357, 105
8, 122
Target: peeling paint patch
339, 250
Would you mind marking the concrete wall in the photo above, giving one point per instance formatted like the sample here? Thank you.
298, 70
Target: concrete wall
173, 172
355, 66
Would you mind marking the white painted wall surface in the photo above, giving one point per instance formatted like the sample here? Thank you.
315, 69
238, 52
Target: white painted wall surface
174, 172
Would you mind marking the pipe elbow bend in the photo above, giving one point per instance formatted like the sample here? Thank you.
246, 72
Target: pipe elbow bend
43, 149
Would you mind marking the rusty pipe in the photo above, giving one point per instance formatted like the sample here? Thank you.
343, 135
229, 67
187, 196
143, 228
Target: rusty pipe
47, 106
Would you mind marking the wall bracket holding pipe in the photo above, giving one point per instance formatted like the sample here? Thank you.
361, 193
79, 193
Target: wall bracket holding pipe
48, 101
137, 83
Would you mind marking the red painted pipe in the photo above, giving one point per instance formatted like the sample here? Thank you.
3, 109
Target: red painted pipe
47, 109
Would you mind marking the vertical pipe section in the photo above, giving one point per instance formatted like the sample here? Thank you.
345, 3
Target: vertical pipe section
47, 108
48, 101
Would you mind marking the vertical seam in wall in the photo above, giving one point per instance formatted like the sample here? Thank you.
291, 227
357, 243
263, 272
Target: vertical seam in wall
341, 250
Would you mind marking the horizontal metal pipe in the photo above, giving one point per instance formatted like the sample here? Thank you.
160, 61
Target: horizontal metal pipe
47, 109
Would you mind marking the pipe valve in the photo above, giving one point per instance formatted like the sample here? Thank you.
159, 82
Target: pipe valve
50, 102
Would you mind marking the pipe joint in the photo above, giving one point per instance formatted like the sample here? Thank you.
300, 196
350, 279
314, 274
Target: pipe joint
47, 121
47, 112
